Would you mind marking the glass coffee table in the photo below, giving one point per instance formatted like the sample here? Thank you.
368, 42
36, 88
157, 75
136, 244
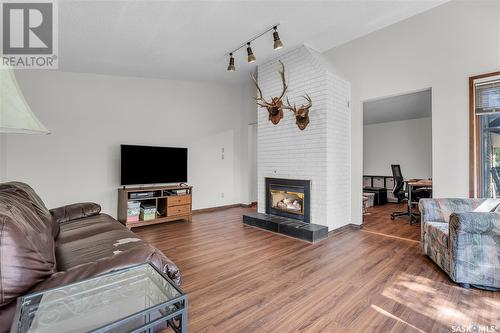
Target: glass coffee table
134, 299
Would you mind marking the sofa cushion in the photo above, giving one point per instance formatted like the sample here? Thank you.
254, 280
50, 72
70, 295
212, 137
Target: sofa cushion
87, 227
101, 240
91, 239
24, 191
27, 248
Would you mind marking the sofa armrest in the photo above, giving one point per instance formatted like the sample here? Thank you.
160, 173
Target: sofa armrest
431, 210
475, 223
75, 211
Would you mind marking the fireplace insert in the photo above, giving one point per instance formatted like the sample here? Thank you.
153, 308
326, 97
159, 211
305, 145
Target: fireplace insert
288, 198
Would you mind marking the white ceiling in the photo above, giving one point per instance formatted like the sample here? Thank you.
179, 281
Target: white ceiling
189, 39
402, 107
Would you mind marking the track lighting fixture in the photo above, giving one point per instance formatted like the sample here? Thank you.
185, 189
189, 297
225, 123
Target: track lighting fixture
277, 42
231, 66
251, 57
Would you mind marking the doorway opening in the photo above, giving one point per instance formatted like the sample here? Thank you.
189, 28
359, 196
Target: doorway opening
397, 153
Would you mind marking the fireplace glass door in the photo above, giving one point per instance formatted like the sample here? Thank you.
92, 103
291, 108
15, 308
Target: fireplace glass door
288, 201
288, 198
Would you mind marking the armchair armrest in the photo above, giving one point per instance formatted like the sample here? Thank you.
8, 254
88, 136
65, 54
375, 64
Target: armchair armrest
475, 223
431, 210
75, 211
474, 248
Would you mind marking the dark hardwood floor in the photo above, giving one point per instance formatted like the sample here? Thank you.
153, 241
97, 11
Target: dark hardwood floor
377, 220
375, 279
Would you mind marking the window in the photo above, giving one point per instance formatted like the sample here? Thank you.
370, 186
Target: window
485, 135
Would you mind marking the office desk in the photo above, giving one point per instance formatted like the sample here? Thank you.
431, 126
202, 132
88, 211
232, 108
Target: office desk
415, 183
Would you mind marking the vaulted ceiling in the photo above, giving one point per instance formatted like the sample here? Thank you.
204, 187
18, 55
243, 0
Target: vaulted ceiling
189, 39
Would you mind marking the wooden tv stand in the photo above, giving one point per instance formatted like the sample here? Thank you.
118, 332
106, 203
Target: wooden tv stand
168, 207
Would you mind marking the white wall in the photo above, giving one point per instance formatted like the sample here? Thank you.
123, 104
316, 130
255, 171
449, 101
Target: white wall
91, 115
321, 152
252, 162
440, 48
405, 142
248, 148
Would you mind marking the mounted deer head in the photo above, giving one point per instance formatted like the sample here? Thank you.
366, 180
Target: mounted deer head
275, 106
301, 113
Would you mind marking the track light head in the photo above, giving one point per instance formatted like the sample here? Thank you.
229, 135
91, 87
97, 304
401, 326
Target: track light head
231, 67
251, 57
277, 42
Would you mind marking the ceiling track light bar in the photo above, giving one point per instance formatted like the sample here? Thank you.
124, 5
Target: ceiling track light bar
273, 27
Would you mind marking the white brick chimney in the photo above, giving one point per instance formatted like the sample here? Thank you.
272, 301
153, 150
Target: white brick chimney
321, 152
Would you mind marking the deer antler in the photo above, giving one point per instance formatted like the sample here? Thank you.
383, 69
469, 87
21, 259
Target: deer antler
260, 98
309, 101
293, 108
285, 87
275, 106
288, 106
301, 113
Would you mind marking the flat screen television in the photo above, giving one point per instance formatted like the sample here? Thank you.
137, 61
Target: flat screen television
153, 165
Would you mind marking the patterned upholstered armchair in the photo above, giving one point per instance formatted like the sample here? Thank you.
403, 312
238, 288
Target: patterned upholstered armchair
462, 236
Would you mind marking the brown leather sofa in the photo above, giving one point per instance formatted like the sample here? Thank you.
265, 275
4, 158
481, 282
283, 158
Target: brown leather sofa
41, 249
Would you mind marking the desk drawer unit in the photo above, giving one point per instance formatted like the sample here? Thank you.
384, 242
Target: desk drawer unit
178, 200
178, 210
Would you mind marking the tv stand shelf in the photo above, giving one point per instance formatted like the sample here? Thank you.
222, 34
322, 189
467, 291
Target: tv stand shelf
168, 207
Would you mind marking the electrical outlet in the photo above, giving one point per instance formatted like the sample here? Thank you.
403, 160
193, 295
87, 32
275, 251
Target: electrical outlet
222, 195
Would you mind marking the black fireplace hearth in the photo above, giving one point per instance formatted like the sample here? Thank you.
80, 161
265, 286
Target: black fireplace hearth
306, 231
288, 210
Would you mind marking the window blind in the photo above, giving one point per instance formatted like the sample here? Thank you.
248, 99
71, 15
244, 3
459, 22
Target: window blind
487, 97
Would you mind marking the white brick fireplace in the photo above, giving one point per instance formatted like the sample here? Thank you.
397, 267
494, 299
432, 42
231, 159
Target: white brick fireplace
321, 152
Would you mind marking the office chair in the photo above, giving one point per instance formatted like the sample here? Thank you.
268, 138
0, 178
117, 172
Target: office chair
401, 194
399, 189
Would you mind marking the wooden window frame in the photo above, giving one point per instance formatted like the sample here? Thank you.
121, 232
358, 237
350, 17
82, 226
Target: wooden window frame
473, 134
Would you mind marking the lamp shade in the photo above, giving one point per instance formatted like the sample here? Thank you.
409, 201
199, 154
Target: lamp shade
15, 114
231, 67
